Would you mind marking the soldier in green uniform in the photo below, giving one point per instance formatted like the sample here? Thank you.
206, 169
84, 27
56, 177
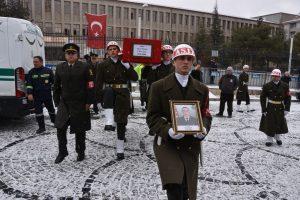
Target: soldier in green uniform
112, 90
177, 155
275, 100
93, 65
242, 93
153, 73
73, 93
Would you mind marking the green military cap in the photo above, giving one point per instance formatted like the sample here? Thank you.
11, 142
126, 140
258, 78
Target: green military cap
71, 47
93, 54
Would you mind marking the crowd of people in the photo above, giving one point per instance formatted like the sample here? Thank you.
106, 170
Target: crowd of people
77, 85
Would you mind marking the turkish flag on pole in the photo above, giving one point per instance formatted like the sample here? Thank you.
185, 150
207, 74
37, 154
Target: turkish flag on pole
96, 31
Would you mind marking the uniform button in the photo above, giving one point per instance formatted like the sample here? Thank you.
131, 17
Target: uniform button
178, 148
190, 148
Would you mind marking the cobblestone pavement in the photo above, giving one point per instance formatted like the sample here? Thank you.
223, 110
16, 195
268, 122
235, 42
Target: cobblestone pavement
237, 164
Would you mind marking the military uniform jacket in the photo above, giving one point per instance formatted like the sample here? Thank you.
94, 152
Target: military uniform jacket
228, 84
274, 122
242, 90
73, 89
163, 71
39, 82
109, 72
176, 156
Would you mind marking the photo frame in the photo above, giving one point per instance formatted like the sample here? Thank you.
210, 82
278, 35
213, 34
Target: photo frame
186, 116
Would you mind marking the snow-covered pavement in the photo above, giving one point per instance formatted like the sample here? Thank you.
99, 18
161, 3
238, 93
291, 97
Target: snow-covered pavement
237, 164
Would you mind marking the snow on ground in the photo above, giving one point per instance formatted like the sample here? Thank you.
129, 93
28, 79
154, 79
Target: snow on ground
237, 164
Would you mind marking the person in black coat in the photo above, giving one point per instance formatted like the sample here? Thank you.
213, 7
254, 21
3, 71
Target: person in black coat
286, 78
227, 85
197, 74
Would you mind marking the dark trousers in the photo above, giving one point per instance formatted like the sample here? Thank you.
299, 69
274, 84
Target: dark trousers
108, 98
247, 100
177, 191
95, 108
121, 129
223, 99
62, 141
38, 107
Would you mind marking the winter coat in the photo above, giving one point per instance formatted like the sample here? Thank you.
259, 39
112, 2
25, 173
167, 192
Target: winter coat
73, 89
109, 72
242, 91
228, 84
274, 122
174, 157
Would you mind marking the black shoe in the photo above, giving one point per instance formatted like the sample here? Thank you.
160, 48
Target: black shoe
268, 144
109, 128
80, 157
120, 156
240, 111
40, 130
125, 140
279, 142
219, 115
60, 157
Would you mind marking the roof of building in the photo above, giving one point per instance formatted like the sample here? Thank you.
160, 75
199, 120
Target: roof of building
292, 21
198, 11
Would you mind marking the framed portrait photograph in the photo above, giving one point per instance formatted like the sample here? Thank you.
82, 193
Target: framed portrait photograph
142, 50
186, 116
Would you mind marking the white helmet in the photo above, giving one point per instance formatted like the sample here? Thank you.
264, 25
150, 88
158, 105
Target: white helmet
276, 72
167, 48
246, 67
112, 43
183, 50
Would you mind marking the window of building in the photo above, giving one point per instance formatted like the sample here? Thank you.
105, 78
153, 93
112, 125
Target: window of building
154, 34
208, 22
110, 11
133, 14
94, 9
228, 25
101, 9
174, 36
58, 28
76, 12
174, 16
118, 32
85, 9
180, 37
168, 35
38, 9
161, 35
192, 37
119, 10
293, 25
180, 16
148, 15
133, 33
198, 22
67, 10
154, 15
186, 35
186, 20
48, 9
141, 13
110, 31
161, 17
192, 20
203, 22
83, 31
48, 27
76, 29
168, 18
57, 8
147, 33
125, 32
67, 30
126, 13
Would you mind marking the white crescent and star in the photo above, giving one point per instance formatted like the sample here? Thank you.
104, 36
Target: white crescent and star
95, 23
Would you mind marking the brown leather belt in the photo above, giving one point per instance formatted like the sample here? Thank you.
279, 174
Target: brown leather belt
117, 86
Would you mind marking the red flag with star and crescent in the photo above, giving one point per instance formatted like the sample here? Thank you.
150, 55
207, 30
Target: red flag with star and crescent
96, 31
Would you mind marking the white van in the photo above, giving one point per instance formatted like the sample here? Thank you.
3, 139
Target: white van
20, 41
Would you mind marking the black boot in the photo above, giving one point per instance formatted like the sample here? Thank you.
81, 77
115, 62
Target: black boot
41, 123
109, 128
120, 156
80, 157
80, 145
52, 118
60, 157
62, 145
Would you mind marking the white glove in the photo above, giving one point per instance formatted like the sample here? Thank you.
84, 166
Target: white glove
202, 135
175, 136
264, 113
286, 113
155, 66
245, 83
125, 64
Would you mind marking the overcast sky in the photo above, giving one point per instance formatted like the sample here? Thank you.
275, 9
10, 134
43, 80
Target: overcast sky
239, 8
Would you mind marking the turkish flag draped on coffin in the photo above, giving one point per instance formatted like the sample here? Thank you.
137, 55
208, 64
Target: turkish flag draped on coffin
96, 31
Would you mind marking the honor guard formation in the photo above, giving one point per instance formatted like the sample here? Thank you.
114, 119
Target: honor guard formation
84, 88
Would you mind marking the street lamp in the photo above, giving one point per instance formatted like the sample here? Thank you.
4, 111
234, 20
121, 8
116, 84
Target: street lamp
291, 51
140, 21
